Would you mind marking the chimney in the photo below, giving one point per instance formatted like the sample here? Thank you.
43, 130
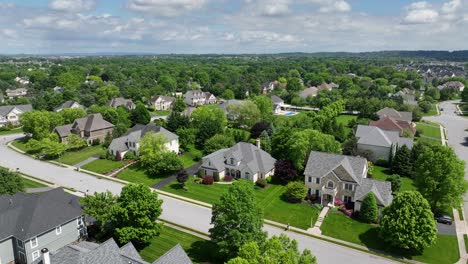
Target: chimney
45, 256
258, 143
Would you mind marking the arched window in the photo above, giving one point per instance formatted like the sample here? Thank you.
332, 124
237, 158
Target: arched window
330, 184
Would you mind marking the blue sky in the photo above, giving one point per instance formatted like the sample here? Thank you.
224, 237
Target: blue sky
230, 26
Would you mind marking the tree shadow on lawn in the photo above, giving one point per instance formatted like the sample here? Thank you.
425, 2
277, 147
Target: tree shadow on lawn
137, 167
204, 252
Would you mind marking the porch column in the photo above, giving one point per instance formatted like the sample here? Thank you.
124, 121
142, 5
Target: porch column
333, 203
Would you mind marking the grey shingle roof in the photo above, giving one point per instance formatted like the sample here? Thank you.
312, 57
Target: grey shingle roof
64, 130
346, 168
120, 101
163, 98
27, 215
92, 122
136, 133
68, 104
175, 255
374, 136
311, 91
390, 112
276, 100
381, 189
5, 109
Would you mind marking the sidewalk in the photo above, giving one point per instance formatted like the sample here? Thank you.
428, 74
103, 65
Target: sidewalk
461, 230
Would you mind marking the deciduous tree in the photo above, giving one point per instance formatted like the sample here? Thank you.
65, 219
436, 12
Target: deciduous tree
155, 156
295, 191
10, 182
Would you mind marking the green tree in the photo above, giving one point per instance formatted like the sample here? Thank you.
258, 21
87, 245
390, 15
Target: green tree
70, 114
265, 105
168, 83
395, 180
278, 249
294, 85
408, 222
369, 211
155, 156
237, 219
40, 123
401, 162
243, 115
179, 105
228, 94
464, 95
107, 92
182, 177
75, 142
217, 142
295, 191
265, 141
99, 206
133, 217
209, 121
440, 177
140, 115
10, 182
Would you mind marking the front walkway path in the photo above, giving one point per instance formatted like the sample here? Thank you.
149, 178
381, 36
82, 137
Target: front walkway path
461, 231
316, 229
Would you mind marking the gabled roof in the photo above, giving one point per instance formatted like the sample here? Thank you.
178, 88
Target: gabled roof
25, 215
391, 124
163, 98
120, 101
68, 104
381, 189
374, 136
63, 131
346, 168
226, 103
136, 133
390, 112
276, 100
92, 122
311, 91
175, 255
5, 109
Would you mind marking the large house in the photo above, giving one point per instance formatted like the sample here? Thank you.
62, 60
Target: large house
161, 102
130, 140
397, 115
334, 176
243, 160
198, 97
109, 253
92, 127
69, 104
380, 143
20, 92
391, 124
9, 114
31, 222
459, 86
120, 101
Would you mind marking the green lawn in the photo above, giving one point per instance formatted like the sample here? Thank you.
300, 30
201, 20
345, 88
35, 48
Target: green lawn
344, 119
136, 174
465, 238
199, 250
32, 184
103, 166
74, 157
20, 143
276, 209
189, 157
428, 129
432, 112
12, 131
337, 225
381, 173
160, 113
429, 141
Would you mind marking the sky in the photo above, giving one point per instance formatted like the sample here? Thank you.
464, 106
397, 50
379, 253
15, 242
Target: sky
230, 26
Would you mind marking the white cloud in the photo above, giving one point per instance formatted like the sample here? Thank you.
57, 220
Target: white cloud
167, 8
72, 5
8, 33
335, 6
419, 5
451, 6
275, 7
420, 13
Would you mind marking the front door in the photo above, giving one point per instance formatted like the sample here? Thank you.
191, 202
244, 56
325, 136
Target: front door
327, 198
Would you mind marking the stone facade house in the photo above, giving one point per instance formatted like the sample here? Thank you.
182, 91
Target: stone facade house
31, 222
90, 128
161, 102
130, 140
10, 114
69, 104
380, 143
241, 161
198, 97
120, 101
334, 176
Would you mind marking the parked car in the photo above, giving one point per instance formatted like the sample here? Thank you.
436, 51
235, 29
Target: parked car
444, 219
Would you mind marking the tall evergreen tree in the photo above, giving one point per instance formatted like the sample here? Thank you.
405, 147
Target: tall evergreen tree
401, 163
140, 115
369, 210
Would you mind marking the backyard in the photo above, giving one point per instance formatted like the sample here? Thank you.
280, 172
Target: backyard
381, 173
191, 156
270, 199
103, 166
345, 119
340, 226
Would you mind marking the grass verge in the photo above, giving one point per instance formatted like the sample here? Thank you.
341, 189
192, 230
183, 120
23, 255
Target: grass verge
137, 174
103, 166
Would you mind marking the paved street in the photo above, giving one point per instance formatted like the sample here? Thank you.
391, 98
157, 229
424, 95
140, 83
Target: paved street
457, 136
179, 212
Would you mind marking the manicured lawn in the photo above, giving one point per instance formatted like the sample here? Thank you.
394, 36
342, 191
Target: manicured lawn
465, 238
344, 119
32, 184
429, 141
337, 225
103, 166
74, 157
20, 143
189, 157
136, 174
429, 129
381, 173
199, 250
160, 113
13, 131
432, 112
274, 207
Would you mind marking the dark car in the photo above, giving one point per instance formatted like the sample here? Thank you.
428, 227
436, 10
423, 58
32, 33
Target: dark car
444, 219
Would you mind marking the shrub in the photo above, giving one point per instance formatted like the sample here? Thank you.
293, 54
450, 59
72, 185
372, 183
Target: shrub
198, 157
182, 176
295, 192
339, 202
201, 173
369, 210
95, 142
348, 212
216, 176
198, 180
130, 156
208, 180
228, 178
395, 180
312, 197
381, 162
262, 183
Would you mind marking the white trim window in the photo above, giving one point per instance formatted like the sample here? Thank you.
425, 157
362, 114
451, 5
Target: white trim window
317, 180
34, 242
35, 255
347, 199
310, 179
58, 230
20, 243
348, 186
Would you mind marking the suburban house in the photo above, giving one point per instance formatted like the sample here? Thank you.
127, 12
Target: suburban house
130, 140
397, 115
334, 176
224, 105
452, 84
243, 160
20, 92
277, 103
198, 97
69, 104
161, 102
380, 143
268, 87
120, 101
9, 114
108, 253
309, 92
92, 127
391, 124
22, 80
31, 222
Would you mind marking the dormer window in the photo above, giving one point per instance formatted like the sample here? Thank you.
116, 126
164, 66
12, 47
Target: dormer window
232, 161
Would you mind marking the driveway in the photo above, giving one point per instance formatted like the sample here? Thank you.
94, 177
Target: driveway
190, 171
446, 229
457, 136
176, 211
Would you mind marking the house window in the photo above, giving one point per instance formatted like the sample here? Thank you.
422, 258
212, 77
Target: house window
20, 244
348, 186
232, 161
317, 180
58, 230
347, 199
247, 176
330, 184
310, 179
35, 255
34, 242
310, 191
